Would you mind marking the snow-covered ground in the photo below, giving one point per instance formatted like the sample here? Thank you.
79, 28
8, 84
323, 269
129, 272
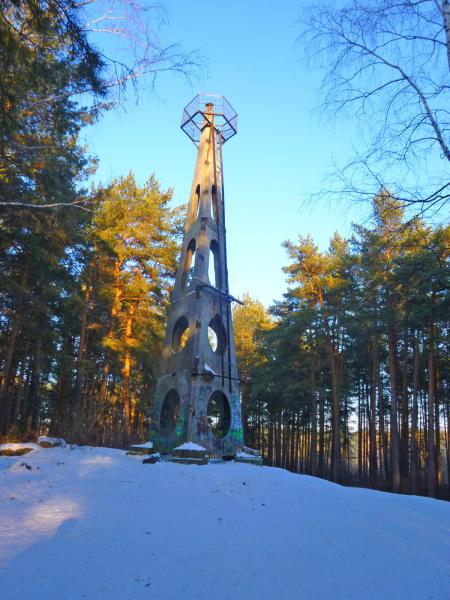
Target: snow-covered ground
94, 523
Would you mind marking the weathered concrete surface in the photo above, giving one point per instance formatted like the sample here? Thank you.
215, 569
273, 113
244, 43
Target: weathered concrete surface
191, 370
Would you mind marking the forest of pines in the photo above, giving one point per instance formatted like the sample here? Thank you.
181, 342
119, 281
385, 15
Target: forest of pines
346, 378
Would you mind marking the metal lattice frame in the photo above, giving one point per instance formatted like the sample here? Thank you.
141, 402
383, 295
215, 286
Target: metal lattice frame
225, 117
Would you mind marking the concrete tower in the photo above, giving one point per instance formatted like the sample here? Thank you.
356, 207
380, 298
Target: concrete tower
197, 395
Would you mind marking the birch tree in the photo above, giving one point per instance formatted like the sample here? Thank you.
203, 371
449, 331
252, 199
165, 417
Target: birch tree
387, 66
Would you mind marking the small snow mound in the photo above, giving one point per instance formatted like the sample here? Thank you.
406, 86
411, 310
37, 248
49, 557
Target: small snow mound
209, 369
251, 451
145, 445
16, 449
44, 440
18, 446
244, 455
190, 446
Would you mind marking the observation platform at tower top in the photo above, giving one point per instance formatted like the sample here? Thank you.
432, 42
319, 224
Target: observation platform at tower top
194, 115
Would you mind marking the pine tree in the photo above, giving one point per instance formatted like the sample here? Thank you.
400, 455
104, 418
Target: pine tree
250, 321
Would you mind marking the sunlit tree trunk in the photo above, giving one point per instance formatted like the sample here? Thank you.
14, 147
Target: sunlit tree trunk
126, 373
110, 336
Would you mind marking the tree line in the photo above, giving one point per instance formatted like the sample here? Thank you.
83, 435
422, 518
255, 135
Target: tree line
85, 273
83, 304
347, 378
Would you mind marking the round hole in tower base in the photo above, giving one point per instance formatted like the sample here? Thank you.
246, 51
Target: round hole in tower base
169, 412
217, 335
180, 334
219, 414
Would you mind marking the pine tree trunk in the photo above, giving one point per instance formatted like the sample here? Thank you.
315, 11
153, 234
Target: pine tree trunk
313, 421
447, 416
404, 447
115, 309
59, 422
335, 420
104, 385
5, 398
321, 465
437, 428
20, 391
33, 393
447, 445
360, 435
126, 372
414, 417
384, 467
394, 446
270, 440
77, 400
346, 444
431, 473
373, 475
278, 441
5, 401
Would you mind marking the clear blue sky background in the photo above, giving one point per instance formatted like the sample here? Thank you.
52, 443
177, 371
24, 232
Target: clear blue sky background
283, 150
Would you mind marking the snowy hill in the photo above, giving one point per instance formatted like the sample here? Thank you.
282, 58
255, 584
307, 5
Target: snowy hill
94, 523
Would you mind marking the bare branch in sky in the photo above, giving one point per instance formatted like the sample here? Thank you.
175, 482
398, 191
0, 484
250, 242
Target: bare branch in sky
387, 65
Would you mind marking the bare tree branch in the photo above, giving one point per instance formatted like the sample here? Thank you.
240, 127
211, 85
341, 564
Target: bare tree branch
75, 204
136, 24
388, 65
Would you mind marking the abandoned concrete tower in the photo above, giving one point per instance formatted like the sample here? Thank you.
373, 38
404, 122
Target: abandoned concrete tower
197, 395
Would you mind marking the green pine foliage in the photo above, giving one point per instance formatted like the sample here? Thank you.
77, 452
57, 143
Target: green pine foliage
347, 377
351, 382
85, 277
83, 314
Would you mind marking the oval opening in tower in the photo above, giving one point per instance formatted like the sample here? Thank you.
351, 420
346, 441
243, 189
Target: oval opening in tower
214, 203
169, 412
180, 334
197, 201
219, 414
217, 336
213, 265
189, 265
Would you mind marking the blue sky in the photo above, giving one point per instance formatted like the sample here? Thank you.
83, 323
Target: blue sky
283, 150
